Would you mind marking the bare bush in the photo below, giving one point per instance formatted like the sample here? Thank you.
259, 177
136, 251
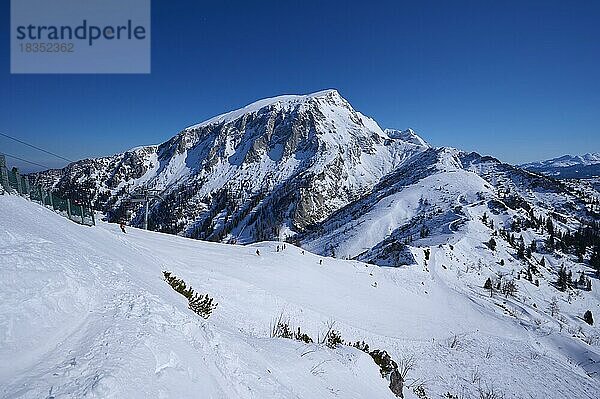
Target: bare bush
476, 376
406, 364
489, 392
280, 327
591, 339
488, 352
454, 341
332, 338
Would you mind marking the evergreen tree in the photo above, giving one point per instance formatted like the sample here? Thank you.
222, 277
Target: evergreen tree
553, 307
581, 279
489, 286
509, 288
588, 318
521, 250
549, 226
550, 243
492, 244
533, 246
595, 259
561, 282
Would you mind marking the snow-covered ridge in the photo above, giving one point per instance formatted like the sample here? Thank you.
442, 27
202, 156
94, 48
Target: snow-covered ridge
568, 166
284, 101
566, 161
407, 135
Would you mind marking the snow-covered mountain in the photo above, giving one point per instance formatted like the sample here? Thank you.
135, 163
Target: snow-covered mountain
275, 165
313, 170
568, 166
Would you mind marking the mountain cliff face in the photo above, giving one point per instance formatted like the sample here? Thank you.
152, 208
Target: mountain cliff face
275, 166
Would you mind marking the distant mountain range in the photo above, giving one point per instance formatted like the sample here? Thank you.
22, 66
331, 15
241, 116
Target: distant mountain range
568, 166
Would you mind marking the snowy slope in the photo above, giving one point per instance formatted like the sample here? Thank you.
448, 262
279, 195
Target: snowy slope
85, 312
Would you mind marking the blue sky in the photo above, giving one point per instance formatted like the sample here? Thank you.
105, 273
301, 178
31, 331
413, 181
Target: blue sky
517, 80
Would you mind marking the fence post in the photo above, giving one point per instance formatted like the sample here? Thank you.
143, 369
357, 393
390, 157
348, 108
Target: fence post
69, 208
93, 217
25, 182
4, 174
18, 181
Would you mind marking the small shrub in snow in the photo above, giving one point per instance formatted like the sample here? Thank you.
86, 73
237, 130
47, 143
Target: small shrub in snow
300, 336
449, 395
362, 346
420, 392
333, 339
454, 342
588, 318
509, 288
280, 328
490, 393
202, 305
488, 352
591, 339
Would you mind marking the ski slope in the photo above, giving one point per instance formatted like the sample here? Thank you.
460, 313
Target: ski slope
84, 312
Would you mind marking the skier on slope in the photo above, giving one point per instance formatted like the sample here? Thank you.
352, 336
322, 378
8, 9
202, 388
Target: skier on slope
122, 226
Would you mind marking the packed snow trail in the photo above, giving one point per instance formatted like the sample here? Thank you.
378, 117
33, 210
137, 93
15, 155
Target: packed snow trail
84, 312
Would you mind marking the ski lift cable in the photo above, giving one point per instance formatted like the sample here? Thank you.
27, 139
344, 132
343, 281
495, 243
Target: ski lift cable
24, 160
35, 147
